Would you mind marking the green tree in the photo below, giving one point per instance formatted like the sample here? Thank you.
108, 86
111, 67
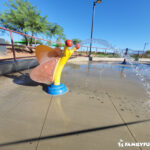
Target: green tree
48, 43
21, 16
23, 41
59, 44
75, 41
56, 31
148, 52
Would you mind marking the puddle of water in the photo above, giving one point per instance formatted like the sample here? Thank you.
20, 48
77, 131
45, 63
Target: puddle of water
115, 81
141, 71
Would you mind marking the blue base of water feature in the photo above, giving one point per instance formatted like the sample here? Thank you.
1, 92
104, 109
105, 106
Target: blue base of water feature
127, 64
124, 63
56, 89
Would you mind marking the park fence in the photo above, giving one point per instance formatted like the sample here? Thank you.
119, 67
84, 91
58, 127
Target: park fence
11, 49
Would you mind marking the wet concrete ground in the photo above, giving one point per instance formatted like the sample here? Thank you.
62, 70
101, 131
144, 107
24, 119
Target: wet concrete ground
105, 103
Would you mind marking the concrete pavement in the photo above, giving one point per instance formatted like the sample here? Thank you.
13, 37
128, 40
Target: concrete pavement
94, 114
105, 59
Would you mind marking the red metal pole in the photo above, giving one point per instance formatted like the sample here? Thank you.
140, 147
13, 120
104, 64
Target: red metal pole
87, 51
13, 49
35, 41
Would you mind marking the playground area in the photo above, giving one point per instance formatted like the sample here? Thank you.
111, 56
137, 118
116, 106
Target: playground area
99, 104
105, 103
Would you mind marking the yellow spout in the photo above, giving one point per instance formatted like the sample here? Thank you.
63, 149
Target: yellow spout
61, 63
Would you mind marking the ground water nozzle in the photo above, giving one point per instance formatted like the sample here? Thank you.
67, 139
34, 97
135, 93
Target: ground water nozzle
125, 54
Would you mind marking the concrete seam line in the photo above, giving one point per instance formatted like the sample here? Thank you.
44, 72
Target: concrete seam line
123, 120
50, 102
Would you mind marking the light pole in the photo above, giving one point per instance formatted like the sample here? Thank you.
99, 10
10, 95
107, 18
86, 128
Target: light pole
145, 44
94, 3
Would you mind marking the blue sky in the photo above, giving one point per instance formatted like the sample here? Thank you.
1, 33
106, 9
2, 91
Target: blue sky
124, 23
